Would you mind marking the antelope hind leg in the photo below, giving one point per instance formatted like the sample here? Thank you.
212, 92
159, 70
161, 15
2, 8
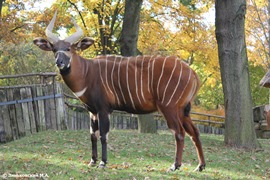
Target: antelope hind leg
174, 124
194, 134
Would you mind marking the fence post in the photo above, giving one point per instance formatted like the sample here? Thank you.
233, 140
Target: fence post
25, 112
12, 114
41, 109
5, 128
60, 108
19, 113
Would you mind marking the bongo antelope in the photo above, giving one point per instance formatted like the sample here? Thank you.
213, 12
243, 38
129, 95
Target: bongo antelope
141, 84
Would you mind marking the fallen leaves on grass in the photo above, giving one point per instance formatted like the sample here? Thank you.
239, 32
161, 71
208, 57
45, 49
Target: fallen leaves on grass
124, 165
150, 168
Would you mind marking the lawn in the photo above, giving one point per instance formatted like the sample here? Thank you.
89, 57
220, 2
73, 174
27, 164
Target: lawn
66, 154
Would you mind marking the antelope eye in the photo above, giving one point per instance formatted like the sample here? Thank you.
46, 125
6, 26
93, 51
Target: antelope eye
68, 49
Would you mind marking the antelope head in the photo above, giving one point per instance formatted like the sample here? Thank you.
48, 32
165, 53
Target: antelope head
63, 49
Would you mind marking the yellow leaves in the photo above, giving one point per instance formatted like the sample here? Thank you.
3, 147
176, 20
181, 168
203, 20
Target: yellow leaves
212, 82
260, 3
4, 10
256, 33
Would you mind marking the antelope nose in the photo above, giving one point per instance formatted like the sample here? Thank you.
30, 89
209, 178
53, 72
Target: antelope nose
59, 63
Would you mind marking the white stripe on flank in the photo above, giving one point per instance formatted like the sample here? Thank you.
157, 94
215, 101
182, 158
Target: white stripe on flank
130, 96
101, 75
185, 87
148, 73
142, 79
119, 83
194, 86
106, 75
153, 68
164, 93
136, 81
162, 71
80, 93
118, 101
179, 79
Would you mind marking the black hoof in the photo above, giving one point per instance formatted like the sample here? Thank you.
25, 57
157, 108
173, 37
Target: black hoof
102, 165
174, 167
200, 167
92, 163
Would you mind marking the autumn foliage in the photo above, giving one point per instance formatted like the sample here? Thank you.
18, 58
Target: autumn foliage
179, 28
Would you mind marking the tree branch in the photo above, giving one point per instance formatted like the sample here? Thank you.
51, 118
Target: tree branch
73, 4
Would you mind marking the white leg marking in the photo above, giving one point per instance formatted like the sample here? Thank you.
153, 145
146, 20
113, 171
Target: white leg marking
179, 79
164, 93
130, 95
101, 164
93, 116
173, 131
97, 134
185, 87
161, 74
117, 98
107, 136
119, 83
142, 79
136, 81
80, 93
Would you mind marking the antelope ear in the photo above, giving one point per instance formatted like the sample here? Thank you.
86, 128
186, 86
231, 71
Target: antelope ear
43, 44
84, 43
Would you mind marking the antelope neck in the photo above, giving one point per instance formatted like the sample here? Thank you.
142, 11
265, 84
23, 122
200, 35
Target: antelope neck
75, 75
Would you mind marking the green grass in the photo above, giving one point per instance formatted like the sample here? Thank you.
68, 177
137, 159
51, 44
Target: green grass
66, 154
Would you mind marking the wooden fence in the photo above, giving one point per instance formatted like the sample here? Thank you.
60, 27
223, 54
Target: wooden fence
206, 123
28, 109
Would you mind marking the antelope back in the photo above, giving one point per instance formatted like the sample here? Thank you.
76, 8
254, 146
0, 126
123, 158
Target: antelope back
143, 81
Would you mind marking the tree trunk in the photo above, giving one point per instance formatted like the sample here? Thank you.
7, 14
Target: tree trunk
1, 5
147, 124
130, 31
230, 35
268, 9
128, 45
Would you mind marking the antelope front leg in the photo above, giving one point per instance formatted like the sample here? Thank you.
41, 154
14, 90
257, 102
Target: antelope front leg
104, 127
94, 137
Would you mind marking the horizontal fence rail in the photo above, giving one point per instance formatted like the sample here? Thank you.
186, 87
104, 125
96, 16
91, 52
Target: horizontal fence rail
122, 120
47, 74
31, 99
